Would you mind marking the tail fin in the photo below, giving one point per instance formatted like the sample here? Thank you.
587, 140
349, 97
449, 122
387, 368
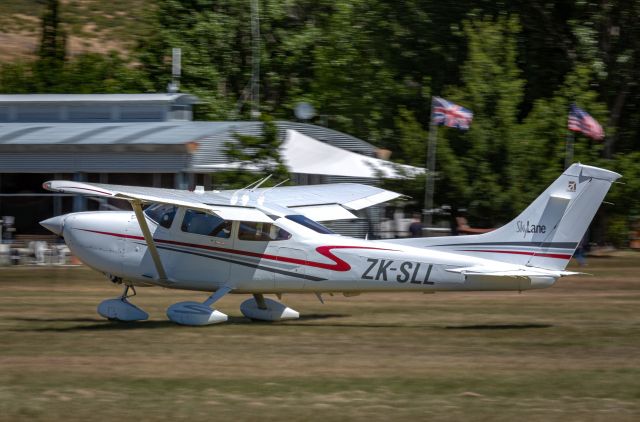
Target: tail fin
548, 231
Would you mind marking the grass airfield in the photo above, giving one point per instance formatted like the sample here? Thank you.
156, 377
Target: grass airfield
571, 352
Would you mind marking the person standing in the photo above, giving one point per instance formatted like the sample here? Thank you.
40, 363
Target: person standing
415, 228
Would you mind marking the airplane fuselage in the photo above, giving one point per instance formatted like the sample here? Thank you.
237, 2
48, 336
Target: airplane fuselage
302, 261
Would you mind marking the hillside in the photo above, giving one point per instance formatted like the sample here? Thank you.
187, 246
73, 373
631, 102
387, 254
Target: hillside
92, 25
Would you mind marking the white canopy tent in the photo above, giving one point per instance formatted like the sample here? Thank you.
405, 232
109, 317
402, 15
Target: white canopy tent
306, 155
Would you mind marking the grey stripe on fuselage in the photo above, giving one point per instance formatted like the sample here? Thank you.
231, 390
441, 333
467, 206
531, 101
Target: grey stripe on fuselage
558, 245
246, 264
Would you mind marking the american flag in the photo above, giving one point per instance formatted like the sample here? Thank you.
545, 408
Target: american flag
449, 114
581, 121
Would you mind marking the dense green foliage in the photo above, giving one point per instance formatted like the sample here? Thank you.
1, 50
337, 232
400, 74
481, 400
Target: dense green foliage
370, 68
258, 157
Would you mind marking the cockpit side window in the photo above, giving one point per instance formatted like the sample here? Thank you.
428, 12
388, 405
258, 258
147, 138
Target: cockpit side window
162, 214
198, 222
265, 232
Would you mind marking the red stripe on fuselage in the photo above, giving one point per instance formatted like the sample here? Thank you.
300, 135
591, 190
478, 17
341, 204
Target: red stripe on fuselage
543, 255
337, 265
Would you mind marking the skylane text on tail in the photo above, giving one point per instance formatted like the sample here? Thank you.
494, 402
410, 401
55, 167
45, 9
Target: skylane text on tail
269, 241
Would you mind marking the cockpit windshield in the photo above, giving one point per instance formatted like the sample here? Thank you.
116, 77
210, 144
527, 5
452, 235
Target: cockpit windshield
308, 223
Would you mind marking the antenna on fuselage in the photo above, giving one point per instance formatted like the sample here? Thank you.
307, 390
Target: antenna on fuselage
251, 185
234, 198
262, 195
261, 182
273, 187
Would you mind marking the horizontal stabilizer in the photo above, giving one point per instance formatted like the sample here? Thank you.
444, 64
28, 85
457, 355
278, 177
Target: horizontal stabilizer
511, 272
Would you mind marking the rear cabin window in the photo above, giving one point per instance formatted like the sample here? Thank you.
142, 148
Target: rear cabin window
198, 222
264, 232
162, 214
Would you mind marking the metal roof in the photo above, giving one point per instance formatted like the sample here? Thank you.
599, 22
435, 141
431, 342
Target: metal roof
93, 98
122, 146
212, 148
107, 133
212, 135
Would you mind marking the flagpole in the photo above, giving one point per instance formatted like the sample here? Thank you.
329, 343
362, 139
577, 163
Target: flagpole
568, 157
430, 173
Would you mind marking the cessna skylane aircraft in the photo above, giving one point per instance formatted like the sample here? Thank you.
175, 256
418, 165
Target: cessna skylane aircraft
267, 241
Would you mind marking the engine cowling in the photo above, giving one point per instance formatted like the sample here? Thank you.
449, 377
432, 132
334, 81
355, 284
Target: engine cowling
275, 311
194, 313
120, 309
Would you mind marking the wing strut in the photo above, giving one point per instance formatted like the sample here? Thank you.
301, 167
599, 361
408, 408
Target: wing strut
217, 295
137, 208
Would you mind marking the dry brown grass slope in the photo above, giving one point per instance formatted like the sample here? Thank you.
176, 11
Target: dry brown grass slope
92, 25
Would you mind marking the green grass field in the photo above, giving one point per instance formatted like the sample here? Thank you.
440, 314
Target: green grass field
571, 352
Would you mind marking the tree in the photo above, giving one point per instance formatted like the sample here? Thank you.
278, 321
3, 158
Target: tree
257, 156
539, 153
492, 89
215, 40
607, 39
625, 199
53, 46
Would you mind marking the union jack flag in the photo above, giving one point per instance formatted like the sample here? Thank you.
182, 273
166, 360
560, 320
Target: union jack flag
449, 114
581, 121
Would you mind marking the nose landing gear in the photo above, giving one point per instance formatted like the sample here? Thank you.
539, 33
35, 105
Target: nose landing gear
120, 309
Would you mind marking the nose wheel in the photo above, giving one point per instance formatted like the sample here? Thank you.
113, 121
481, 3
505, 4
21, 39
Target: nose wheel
120, 309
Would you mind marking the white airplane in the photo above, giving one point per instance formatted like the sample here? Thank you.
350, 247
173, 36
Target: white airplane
266, 241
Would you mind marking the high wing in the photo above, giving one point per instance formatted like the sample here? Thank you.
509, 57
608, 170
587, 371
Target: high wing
327, 202
318, 202
353, 196
197, 201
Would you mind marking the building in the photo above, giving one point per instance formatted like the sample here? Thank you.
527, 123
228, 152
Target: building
136, 139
